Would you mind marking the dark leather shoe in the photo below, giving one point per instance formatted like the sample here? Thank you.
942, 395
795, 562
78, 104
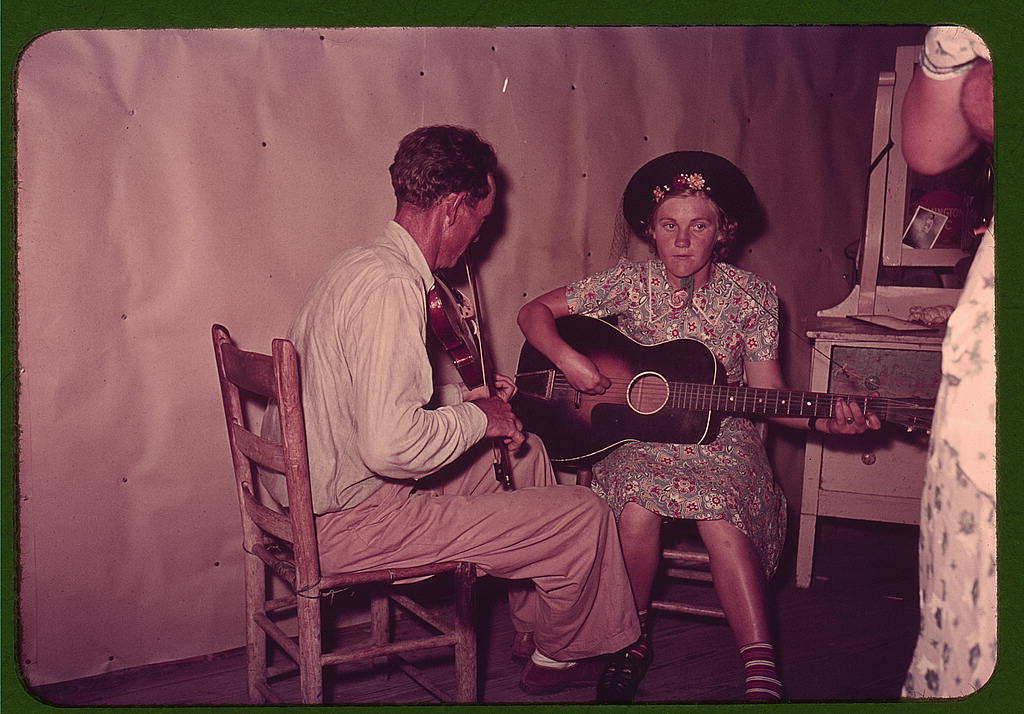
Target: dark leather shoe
550, 680
522, 646
621, 677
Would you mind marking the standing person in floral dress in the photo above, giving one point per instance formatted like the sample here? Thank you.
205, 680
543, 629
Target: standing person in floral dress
690, 205
947, 116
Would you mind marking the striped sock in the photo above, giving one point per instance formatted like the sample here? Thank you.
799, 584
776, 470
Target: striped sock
642, 645
762, 681
641, 649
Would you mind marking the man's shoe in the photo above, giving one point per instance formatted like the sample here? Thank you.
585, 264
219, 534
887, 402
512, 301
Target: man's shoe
522, 646
550, 680
622, 675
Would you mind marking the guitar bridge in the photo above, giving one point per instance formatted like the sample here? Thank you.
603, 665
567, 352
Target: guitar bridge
539, 384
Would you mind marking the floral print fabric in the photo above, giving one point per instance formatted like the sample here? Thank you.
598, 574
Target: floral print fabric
736, 316
956, 648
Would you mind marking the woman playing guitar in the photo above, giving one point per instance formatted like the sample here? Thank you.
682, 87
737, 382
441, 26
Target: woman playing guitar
690, 206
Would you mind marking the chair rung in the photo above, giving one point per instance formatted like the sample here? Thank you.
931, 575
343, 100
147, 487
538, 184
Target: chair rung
331, 582
281, 604
687, 609
685, 556
362, 653
688, 574
385, 650
417, 675
278, 635
267, 691
281, 670
431, 618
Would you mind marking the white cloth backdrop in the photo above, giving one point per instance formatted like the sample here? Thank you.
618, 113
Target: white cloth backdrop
171, 179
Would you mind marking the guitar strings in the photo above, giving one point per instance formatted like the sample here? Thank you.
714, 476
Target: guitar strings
695, 395
621, 387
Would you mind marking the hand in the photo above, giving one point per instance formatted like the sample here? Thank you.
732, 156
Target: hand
504, 387
850, 419
583, 374
501, 421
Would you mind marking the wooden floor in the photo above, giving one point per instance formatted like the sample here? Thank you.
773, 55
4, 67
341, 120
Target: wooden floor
848, 637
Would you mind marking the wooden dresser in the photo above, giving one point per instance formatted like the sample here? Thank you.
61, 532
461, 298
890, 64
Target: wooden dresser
878, 476
875, 476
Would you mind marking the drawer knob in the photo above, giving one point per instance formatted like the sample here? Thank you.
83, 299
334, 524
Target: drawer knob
868, 458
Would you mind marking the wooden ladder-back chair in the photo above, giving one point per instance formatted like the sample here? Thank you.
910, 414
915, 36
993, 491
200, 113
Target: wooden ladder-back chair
284, 542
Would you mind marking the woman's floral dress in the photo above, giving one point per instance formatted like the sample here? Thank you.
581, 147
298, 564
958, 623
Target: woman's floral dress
956, 649
736, 316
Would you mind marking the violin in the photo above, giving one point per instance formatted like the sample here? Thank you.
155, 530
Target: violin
455, 323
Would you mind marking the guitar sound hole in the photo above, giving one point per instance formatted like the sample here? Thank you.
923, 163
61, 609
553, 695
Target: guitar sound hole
647, 393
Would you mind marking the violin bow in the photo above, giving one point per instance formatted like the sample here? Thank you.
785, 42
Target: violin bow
502, 463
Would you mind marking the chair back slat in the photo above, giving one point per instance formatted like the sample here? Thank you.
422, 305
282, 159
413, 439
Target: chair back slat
267, 519
259, 450
250, 371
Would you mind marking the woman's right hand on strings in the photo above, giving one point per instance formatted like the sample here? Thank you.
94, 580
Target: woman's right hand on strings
583, 374
537, 321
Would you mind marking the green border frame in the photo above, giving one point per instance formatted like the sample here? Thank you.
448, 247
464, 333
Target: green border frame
999, 21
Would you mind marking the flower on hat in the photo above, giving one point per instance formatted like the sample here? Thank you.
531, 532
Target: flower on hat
695, 181
681, 182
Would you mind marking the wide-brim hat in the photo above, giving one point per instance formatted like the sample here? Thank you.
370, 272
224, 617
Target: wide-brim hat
717, 177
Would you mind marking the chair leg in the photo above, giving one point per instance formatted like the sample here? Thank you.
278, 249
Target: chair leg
311, 675
805, 549
255, 637
380, 627
466, 649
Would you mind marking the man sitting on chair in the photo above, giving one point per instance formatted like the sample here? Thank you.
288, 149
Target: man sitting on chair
398, 484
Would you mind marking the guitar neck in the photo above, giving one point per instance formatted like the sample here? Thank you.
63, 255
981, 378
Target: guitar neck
769, 402
695, 396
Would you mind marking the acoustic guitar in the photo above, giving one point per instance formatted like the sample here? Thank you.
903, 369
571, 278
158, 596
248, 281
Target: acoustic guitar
671, 392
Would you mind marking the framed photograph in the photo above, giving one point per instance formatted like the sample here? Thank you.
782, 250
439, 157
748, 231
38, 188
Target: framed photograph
924, 228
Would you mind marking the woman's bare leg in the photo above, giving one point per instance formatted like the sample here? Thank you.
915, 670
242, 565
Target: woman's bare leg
739, 581
640, 535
